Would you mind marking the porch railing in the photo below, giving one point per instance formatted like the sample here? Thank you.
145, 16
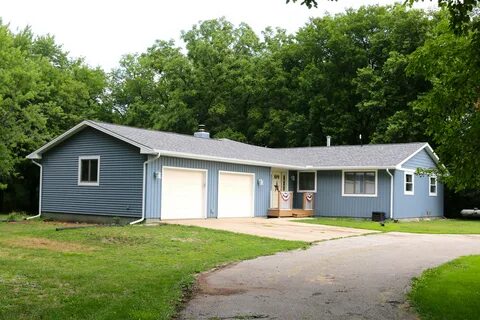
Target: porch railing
282, 200
308, 201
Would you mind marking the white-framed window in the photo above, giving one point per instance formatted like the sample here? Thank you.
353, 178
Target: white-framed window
89, 170
409, 183
432, 186
307, 181
359, 183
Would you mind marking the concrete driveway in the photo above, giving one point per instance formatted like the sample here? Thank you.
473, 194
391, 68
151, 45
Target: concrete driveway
352, 278
283, 228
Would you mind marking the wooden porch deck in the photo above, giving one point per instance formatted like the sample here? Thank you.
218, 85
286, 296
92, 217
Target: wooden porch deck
296, 213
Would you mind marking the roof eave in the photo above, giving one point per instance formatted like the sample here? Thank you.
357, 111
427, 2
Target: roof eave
266, 164
37, 154
351, 168
429, 150
228, 160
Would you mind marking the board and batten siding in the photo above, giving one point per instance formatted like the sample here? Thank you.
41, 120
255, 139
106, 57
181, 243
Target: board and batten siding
154, 185
420, 204
121, 175
330, 202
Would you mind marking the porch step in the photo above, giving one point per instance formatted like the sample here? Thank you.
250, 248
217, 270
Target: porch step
296, 213
303, 214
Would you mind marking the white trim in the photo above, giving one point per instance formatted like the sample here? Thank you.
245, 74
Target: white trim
412, 173
205, 199
37, 153
144, 183
287, 180
430, 193
353, 168
391, 193
368, 195
298, 181
86, 184
238, 173
281, 172
39, 192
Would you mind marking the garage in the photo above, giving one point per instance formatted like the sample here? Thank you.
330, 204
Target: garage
235, 194
183, 193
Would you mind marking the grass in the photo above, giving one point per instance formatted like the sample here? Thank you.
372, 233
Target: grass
14, 216
436, 226
450, 291
132, 272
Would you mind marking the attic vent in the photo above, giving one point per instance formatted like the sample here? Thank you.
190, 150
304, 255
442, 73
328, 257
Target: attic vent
201, 133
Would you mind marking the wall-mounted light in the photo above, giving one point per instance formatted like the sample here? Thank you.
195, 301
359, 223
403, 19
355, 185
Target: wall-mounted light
292, 177
260, 182
157, 175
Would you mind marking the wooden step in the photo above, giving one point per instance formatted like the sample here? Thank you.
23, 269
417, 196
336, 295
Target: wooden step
302, 213
296, 213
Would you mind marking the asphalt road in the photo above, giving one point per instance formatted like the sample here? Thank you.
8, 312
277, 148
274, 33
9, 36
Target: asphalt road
363, 277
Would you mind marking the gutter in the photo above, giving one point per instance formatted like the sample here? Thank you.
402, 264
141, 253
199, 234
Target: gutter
143, 188
39, 192
391, 193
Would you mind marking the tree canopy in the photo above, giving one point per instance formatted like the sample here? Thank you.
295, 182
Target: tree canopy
461, 12
42, 93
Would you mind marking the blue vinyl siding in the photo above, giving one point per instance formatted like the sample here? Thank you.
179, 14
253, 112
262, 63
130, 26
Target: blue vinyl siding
330, 202
420, 160
120, 189
154, 187
420, 204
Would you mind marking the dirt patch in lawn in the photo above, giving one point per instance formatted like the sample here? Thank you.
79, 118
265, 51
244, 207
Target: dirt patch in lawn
121, 239
205, 288
53, 245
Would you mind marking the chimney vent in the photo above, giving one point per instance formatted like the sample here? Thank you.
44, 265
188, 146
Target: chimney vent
201, 133
329, 139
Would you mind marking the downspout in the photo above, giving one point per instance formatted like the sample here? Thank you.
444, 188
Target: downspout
143, 188
39, 192
391, 193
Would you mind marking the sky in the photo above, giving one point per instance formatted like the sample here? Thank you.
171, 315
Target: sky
101, 31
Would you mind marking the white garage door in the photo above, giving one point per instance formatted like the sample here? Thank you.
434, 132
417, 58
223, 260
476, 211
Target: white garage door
183, 194
235, 195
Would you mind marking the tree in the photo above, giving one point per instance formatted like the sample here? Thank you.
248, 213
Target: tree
42, 93
280, 90
451, 63
460, 11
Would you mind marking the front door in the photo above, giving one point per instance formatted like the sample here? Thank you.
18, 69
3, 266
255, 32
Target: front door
279, 183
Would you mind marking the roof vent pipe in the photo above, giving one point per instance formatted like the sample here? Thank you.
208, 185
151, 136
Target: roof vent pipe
329, 139
201, 133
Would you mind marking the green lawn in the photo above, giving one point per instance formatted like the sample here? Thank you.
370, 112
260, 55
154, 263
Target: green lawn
132, 272
450, 291
439, 226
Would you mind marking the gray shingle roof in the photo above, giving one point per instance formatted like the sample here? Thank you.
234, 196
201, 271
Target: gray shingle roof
372, 155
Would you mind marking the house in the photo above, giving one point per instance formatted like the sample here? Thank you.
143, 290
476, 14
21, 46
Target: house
98, 169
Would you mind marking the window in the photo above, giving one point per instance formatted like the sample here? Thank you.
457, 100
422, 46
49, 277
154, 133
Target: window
432, 187
409, 183
360, 183
89, 171
307, 181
